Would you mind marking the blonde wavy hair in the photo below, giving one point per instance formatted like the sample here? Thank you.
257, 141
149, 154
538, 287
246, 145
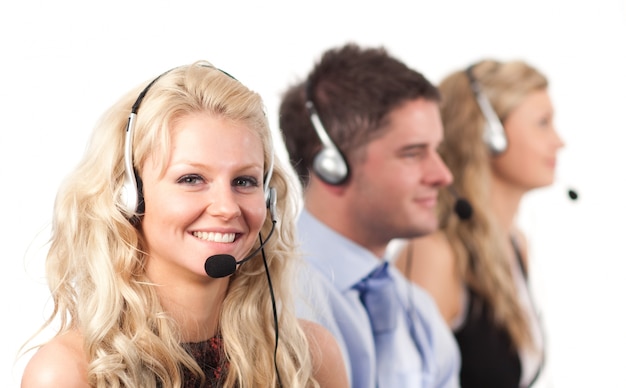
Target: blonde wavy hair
95, 264
478, 243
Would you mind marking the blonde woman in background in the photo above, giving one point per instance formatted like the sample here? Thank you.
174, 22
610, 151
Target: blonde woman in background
138, 301
499, 143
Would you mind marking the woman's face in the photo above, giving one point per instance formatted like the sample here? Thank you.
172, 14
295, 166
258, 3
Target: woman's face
209, 200
530, 160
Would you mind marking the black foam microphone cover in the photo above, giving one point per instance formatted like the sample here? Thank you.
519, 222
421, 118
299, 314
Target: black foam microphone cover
222, 265
463, 208
219, 266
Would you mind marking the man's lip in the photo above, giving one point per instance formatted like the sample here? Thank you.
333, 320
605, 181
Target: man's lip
428, 201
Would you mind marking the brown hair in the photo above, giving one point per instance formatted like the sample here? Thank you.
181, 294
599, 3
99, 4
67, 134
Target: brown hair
353, 89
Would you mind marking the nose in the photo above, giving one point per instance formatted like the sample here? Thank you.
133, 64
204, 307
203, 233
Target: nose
223, 202
558, 140
437, 173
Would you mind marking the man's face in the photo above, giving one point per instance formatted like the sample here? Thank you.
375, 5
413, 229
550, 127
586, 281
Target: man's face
394, 188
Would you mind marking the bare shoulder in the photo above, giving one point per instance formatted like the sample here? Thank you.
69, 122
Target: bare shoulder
59, 363
426, 256
328, 363
430, 262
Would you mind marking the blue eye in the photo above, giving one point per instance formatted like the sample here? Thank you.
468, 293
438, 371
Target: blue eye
191, 179
245, 181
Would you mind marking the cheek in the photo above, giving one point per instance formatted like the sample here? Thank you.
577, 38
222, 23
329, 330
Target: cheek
166, 212
255, 216
164, 205
527, 143
519, 165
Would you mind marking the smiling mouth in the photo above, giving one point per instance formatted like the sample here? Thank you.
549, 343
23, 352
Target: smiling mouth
428, 202
215, 237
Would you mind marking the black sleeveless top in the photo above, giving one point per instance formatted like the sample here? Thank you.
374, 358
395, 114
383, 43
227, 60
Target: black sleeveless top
489, 358
209, 355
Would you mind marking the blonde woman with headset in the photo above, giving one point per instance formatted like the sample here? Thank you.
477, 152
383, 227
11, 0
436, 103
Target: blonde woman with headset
172, 250
499, 143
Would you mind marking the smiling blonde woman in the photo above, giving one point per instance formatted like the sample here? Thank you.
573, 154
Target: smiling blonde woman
179, 171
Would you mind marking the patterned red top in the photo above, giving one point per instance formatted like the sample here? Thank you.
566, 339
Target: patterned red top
209, 355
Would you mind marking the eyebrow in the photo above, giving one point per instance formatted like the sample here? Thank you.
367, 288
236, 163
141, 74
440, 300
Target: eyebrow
202, 166
414, 147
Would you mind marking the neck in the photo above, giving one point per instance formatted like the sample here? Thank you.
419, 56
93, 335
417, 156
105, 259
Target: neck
505, 200
194, 306
329, 207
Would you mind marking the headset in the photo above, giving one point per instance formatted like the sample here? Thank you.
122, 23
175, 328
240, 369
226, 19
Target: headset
132, 203
493, 135
131, 194
329, 164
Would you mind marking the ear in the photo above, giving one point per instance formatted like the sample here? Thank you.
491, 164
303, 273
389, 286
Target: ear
333, 189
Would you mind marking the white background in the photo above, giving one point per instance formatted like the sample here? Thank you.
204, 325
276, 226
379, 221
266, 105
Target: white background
64, 62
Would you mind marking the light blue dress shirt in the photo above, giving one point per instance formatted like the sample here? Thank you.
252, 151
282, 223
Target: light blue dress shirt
425, 352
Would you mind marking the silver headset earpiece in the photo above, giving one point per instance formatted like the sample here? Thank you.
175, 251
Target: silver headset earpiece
493, 134
329, 164
268, 191
267, 178
129, 194
131, 197
271, 202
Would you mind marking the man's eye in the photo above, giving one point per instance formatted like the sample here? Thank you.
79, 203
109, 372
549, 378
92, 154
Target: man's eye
418, 154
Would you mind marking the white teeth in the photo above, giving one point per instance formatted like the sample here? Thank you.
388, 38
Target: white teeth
215, 237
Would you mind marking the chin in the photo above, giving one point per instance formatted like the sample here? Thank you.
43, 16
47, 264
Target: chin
546, 182
425, 227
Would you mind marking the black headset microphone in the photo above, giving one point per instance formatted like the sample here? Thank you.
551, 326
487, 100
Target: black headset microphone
464, 210
222, 265
462, 207
572, 194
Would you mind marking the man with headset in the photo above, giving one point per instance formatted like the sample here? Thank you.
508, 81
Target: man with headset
362, 133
